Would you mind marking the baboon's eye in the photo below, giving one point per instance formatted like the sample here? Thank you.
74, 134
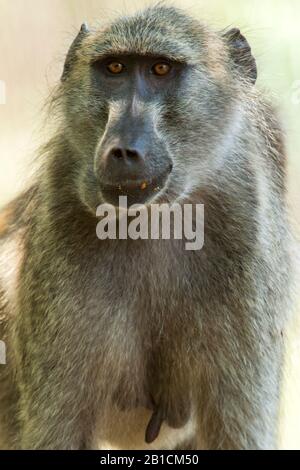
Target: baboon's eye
115, 67
161, 68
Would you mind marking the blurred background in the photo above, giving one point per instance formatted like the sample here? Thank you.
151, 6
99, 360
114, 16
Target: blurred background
34, 37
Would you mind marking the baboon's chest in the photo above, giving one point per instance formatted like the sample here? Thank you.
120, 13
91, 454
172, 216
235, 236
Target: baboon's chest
147, 396
147, 355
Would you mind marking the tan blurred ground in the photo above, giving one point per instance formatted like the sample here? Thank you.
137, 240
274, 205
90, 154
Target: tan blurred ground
34, 36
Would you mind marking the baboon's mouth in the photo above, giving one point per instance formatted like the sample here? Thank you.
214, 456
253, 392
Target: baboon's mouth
136, 191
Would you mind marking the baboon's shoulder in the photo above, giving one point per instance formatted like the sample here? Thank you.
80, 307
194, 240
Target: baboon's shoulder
16, 214
14, 219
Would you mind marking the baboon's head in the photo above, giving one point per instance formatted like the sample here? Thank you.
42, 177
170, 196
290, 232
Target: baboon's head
149, 103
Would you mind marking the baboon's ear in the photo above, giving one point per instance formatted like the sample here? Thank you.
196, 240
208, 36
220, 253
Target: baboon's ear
71, 55
240, 52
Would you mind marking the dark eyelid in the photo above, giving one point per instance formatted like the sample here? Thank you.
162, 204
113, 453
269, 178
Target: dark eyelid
105, 61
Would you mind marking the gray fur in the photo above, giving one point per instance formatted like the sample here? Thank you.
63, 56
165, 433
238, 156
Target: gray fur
95, 325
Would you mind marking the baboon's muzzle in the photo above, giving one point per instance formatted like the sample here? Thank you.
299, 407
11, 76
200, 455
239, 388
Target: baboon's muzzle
131, 161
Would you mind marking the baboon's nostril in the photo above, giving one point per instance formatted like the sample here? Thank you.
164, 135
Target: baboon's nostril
120, 153
132, 154
116, 153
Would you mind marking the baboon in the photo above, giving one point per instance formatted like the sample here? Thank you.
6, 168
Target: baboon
140, 343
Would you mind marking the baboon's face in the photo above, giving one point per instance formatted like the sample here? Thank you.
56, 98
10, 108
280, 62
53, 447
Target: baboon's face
148, 102
132, 156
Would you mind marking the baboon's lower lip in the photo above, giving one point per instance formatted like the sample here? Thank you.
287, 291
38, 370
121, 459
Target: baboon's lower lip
128, 185
137, 191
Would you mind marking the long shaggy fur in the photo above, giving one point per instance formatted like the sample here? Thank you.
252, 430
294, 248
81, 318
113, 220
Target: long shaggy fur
98, 330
